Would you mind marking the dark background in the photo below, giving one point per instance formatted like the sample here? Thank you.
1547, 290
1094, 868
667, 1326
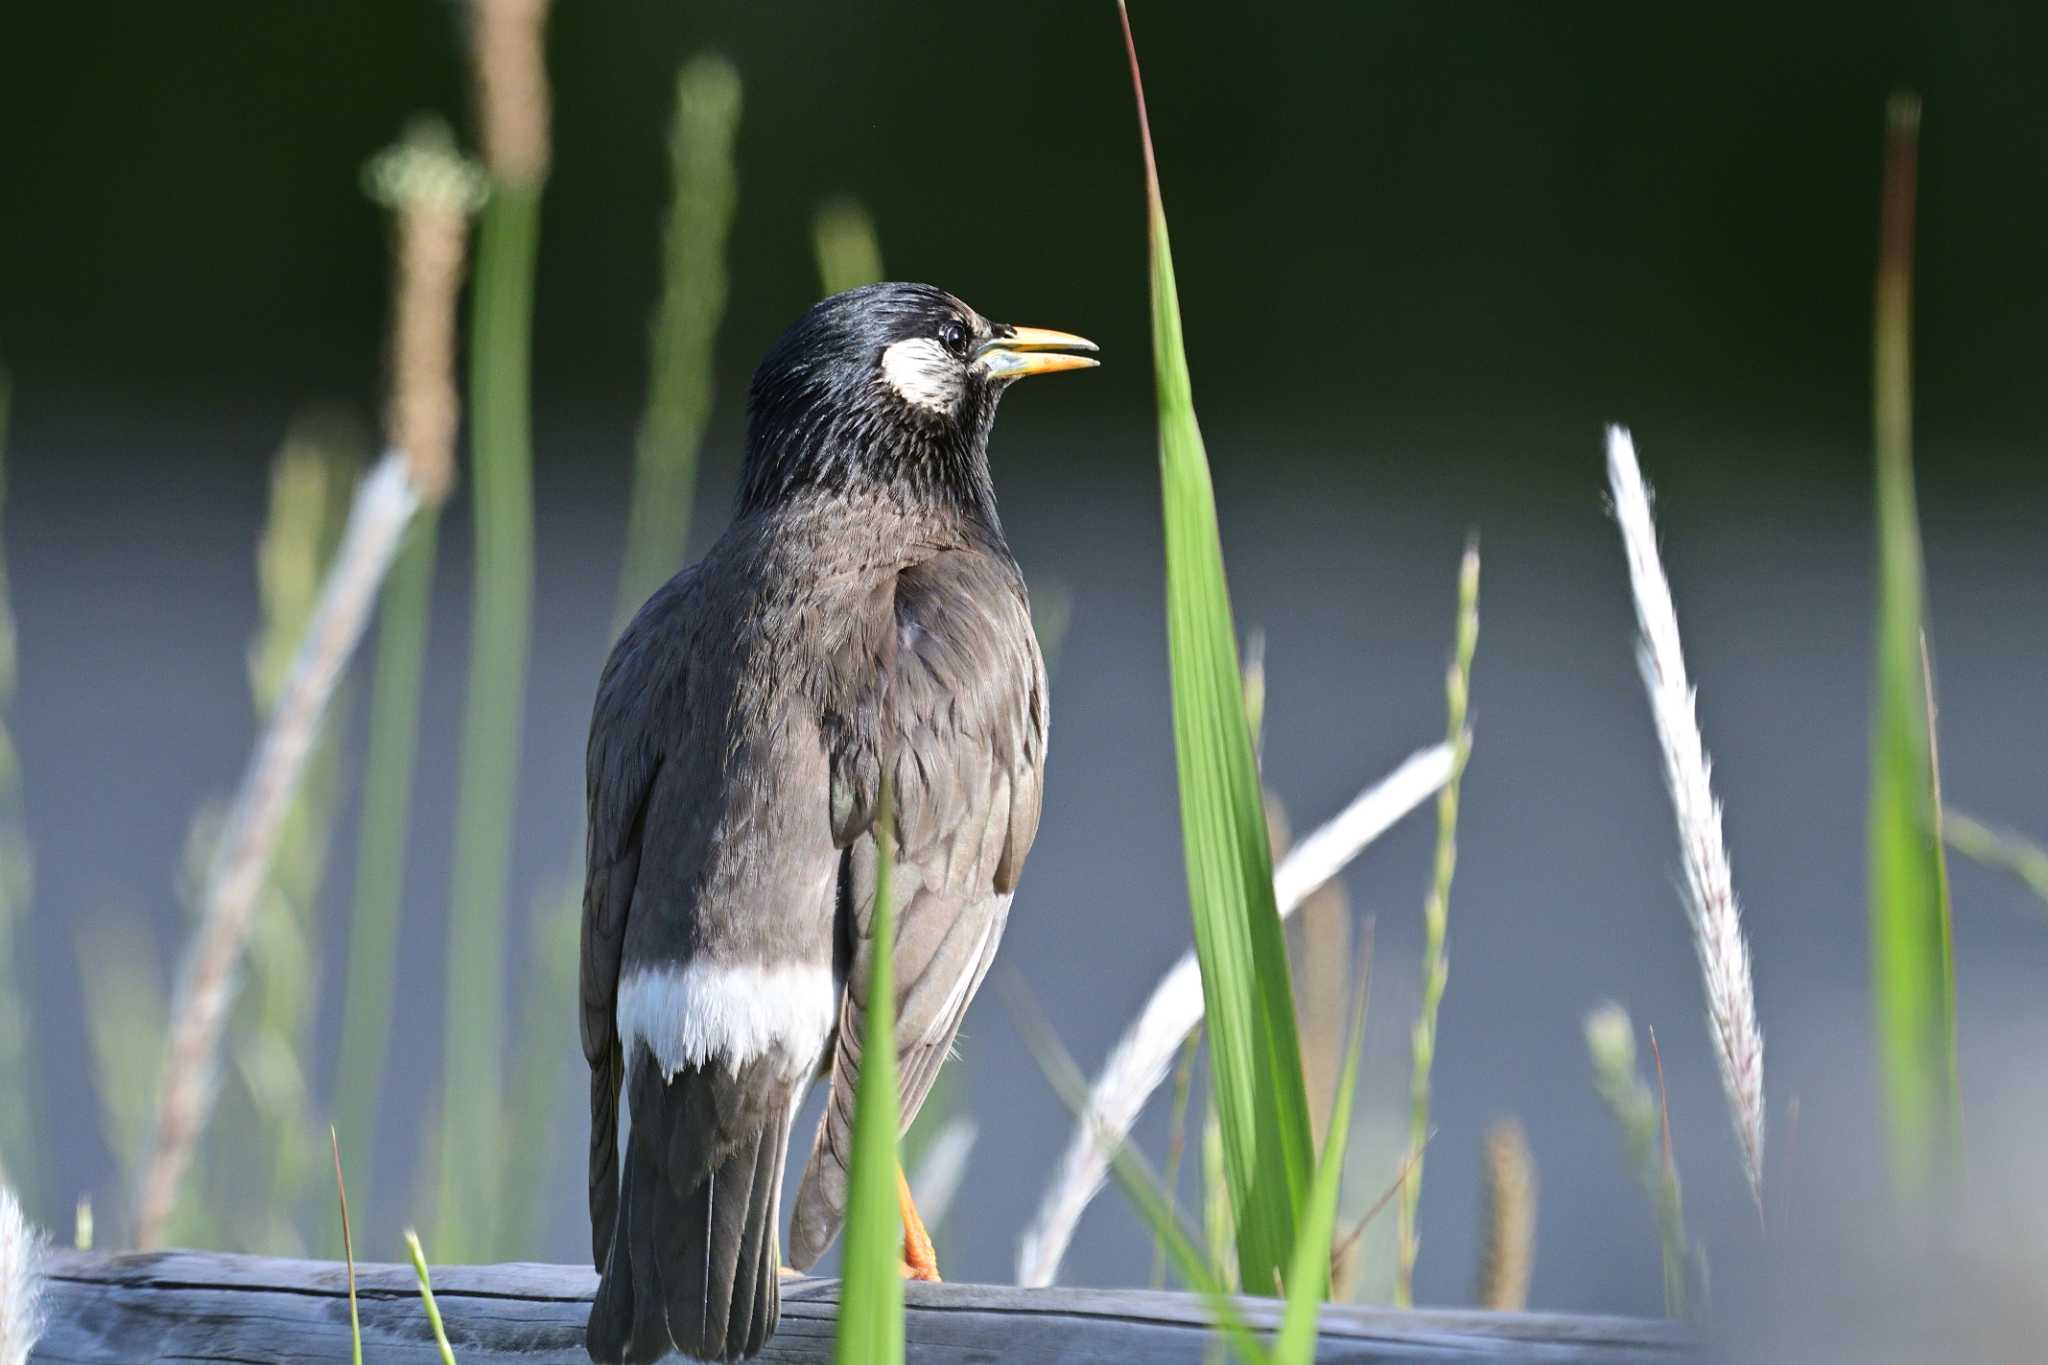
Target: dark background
1424, 252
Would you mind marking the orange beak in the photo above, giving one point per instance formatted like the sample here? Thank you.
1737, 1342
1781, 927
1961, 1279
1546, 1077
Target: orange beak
1017, 352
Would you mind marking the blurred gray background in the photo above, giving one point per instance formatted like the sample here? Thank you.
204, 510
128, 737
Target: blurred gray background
1424, 253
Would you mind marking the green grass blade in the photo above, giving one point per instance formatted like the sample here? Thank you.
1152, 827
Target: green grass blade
871, 1289
20, 1150
348, 1251
693, 286
1255, 1055
1436, 968
540, 1064
1611, 1046
501, 474
381, 840
1912, 975
419, 1268
1177, 1137
1151, 1196
1308, 1273
849, 252
1999, 848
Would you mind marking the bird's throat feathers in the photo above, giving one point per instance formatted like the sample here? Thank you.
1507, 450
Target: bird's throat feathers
807, 439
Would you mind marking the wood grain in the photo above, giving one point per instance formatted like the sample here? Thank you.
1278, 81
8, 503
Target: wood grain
194, 1306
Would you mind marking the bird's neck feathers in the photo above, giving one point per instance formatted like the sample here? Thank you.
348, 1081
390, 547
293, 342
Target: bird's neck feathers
806, 452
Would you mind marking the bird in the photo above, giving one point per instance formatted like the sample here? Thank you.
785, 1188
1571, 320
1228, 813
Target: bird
861, 618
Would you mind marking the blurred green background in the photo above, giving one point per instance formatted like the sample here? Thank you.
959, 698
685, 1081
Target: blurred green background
1424, 251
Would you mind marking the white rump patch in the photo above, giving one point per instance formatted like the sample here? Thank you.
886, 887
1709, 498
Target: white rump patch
924, 374
702, 1011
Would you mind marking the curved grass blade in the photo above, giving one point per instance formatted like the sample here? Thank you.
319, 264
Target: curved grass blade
1308, 1273
871, 1291
419, 1268
1254, 1051
1912, 973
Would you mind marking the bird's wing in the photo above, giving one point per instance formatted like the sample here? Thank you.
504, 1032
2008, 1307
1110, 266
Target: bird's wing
963, 711
621, 763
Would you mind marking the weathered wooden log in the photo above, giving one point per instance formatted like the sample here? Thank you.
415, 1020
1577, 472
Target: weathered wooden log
193, 1306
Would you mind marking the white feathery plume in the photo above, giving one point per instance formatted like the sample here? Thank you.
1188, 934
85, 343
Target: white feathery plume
1143, 1056
21, 1282
384, 505
1709, 885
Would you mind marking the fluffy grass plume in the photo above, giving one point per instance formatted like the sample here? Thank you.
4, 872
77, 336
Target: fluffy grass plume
1141, 1059
21, 1282
1436, 916
235, 877
870, 1330
432, 192
1507, 1246
1912, 973
1611, 1044
1710, 904
703, 186
513, 95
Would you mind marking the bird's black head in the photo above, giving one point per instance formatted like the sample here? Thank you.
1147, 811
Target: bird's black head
890, 387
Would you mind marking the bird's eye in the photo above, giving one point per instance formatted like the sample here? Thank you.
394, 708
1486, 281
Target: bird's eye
953, 336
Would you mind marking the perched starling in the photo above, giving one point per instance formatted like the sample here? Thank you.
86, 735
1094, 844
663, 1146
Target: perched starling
862, 611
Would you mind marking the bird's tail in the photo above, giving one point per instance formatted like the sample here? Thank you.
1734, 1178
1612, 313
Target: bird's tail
694, 1257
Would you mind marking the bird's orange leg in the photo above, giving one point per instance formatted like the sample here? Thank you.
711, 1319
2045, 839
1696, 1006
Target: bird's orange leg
920, 1262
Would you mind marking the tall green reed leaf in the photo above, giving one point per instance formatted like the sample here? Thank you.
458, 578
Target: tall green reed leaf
1255, 1056
431, 191
871, 1290
703, 186
849, 252
1436, 913
20, 1150
383, 833
1912, 975
512, 86
501, 323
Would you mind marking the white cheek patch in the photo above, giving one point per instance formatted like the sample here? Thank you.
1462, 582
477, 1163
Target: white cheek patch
705, 1011
924, 374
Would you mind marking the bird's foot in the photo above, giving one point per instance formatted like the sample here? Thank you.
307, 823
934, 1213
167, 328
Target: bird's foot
925, 1273
789, 1273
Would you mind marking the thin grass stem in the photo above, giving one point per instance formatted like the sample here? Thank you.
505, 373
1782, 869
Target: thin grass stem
1436, 969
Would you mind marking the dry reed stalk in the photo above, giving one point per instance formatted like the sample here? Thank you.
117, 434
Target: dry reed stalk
1142, 1057
384, 504
433, 192
1710, 902
512, 88
1507, 1255
21, 1282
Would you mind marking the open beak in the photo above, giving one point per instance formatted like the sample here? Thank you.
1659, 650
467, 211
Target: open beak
1015, 352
